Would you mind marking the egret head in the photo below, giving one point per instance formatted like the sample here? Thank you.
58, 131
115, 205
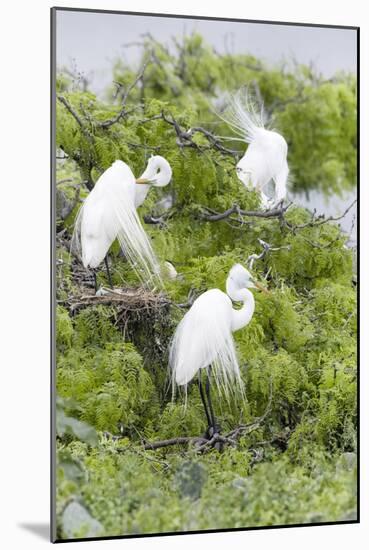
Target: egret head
244, 173
158, 172
239, 277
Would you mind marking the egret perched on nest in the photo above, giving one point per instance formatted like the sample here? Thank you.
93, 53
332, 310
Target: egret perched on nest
265, 159
203, 339
109, 212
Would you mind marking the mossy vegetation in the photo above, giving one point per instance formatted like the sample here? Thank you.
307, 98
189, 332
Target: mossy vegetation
299, 464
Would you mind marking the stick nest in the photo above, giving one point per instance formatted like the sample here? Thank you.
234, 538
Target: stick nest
125, 299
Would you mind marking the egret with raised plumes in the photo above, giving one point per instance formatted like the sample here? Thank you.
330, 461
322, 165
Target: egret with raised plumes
265, 159
203, 338
110, 212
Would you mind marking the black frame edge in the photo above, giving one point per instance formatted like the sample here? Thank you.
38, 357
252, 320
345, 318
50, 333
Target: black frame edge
358, 246
52, 273
205, 18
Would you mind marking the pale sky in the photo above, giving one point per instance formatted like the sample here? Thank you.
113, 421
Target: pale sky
90, 41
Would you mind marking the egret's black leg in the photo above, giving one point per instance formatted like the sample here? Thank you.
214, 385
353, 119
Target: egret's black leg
108, 271
95, 280
207, 389
204, 400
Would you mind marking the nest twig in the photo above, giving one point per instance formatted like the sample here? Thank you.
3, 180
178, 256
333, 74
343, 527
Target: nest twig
128, 299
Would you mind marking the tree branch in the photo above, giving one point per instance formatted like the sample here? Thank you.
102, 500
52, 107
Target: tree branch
213, 216
267, 248
203, 445
315, 222
160, 220
76, 117
184, 137
175, 441
214, 140
122, 113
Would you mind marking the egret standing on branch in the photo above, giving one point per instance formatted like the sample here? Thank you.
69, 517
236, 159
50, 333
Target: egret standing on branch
265, 159
109, 212
203, 339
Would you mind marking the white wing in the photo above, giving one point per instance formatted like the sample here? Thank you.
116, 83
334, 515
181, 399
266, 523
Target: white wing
108, 213
204, 338
265, 158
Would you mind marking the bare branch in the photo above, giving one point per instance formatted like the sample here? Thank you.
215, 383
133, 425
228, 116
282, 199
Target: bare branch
151, 220
315, 222
214, 141
122, 113
159, 220
175, 441
184, 137
266, 249
79, 77
76, 117
149, 119
213, 216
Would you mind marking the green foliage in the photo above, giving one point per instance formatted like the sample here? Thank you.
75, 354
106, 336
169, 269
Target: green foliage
107, 380
94, 326
133, 492
317, 116
299, 465
64, 334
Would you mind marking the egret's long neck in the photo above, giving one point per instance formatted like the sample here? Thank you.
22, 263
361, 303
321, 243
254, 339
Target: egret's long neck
141, 192
241, 317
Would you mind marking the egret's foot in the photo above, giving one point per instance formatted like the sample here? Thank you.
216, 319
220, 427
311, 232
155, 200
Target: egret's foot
212, 431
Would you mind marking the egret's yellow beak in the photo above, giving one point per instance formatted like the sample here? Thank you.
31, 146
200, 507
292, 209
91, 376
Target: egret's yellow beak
143, 181
261, 287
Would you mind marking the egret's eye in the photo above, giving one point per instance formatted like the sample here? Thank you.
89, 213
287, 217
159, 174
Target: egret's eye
238, 169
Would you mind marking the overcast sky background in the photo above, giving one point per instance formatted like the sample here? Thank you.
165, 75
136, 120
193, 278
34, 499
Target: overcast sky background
89, 42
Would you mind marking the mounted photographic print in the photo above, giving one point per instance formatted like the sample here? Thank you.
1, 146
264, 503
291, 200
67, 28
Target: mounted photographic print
204, 239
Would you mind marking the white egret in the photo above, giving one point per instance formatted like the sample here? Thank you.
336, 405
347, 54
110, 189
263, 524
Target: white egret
203, 338
265, 159
109, 212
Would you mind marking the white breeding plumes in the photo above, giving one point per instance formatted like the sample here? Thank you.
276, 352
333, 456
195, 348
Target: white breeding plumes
265, 159
204, 336
109, 212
